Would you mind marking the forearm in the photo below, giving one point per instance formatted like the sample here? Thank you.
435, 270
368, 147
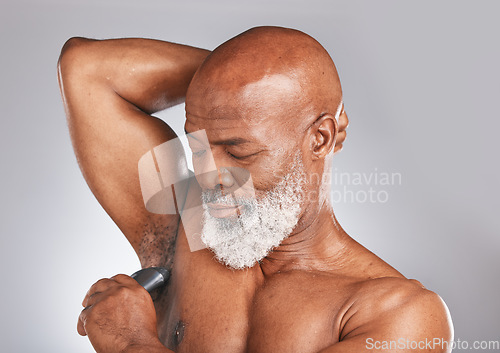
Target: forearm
150, 74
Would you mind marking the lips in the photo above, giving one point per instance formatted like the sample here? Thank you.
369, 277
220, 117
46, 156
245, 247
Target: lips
220, 210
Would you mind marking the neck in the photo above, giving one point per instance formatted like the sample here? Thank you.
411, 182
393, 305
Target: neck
317, 243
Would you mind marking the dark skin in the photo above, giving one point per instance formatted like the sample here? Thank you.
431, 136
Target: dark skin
319, 291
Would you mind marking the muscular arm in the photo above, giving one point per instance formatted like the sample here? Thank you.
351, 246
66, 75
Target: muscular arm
109, 89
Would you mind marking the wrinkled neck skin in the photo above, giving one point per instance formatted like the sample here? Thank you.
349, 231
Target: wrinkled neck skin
318, 242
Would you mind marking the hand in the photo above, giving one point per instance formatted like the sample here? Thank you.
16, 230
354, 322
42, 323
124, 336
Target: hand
341, 134
118, 314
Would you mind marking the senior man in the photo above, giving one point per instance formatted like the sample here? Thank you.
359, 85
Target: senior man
278, 273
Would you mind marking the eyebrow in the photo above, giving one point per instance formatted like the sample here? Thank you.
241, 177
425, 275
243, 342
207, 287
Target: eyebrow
229, 142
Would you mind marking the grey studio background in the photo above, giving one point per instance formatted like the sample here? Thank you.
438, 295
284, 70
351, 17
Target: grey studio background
421, 84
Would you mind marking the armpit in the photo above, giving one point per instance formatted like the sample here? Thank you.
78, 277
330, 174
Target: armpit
158, 240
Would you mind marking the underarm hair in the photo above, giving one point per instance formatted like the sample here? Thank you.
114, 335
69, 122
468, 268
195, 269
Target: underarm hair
157, 246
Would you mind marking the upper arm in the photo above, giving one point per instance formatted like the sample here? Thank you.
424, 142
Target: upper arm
400, 318
109, 136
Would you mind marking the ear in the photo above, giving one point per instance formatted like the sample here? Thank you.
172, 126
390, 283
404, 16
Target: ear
324, 133
343, 123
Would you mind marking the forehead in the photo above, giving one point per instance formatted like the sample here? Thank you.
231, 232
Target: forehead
225, 104
223, 127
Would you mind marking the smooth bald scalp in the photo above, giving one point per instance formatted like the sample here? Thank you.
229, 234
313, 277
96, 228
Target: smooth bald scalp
294, 66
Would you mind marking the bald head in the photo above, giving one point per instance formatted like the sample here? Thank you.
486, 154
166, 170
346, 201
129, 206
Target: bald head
274, 73
263, 97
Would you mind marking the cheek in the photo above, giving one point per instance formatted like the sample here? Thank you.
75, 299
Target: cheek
271, 170
266, 174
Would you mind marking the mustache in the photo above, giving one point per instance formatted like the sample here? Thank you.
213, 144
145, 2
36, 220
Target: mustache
218, 197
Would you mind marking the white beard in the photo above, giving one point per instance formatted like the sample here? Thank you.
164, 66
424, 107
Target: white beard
242, 241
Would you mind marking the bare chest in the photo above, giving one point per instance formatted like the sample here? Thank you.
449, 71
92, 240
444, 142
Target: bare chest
204, 310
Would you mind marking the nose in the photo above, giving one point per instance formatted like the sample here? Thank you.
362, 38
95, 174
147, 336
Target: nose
219, 178
211, 176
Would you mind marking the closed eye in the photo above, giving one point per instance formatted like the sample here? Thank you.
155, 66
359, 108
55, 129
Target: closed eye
239, 157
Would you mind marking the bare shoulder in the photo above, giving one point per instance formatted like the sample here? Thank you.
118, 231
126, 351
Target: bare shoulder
398, 311
386, 293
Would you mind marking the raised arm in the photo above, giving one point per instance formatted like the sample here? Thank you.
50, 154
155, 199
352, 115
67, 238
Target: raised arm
109, 88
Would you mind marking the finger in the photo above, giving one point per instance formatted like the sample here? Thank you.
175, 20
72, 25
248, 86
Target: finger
80, 326
343, 121
124, 280
337, 148
100, 286
340, 137
94, 298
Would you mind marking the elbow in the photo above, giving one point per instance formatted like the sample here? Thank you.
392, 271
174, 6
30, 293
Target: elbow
73, 42
74, 56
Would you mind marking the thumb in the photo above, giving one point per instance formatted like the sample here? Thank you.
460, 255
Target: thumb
80, 326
